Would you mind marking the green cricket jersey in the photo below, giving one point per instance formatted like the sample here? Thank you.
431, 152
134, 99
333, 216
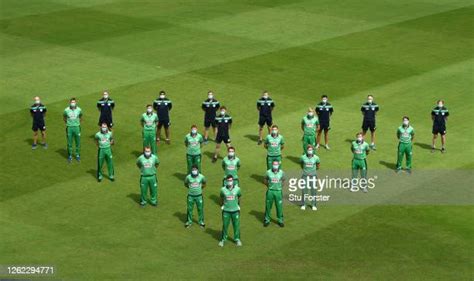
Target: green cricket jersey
231, 198
231, 166
194, 184
149, 121
275, 180
148, 165
310, 125
405, 134
104, 140
274, 144
73, 116
309, 165
193, 144
360, 150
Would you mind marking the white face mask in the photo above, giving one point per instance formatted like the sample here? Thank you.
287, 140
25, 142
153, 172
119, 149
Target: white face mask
194, 131
275, 167
210, 96
162, 96
222, 112
73, 104
231, 153
360, 140
310, 152
147, 153
194, 172
406, 122
104, 129
106, 96
265, 96
149, 110
230, 183
37, 101
440, 105
325, 100
310, 114
274, 132
370, 100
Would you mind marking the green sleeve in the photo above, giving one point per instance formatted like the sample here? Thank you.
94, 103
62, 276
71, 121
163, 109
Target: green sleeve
64, 113
282, 140
204, 181
283, 177
142, 119
223, 164
80, 113
157, 161
302, 121
201, 139
240, 193
238, 164
318, 161
186, 141
222, 194
186, 181
302, 162
139, 163
266, 141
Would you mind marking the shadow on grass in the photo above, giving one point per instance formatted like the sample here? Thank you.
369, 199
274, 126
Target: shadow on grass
258, 178
135, 197
209, 154
389, 165
423, 145
183, 217
348, 140
216, 199
294, 159
62, 152
252, 137
92, 172
136, 153
260, 216
216, 234
179, 176
29, 141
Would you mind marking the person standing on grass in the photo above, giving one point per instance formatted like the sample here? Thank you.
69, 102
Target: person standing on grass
104, 141
324, 110
274, 180
210, 106
230, 206
148, 163
369, 111
309, 125
38, 112
163, 106
193, 142
231, 165
148, 121
265, 107
309, 164
72, 116
106, 105
406, 136
274, 144
195, 182
360, 149
439, 115
224, 123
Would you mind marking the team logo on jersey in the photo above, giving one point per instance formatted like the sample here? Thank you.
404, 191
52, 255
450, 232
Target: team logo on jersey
274, 143
104, 140
275, 180
194, 143
195, 184
230, 197
147, 164
309, 164
231, 167
309, 125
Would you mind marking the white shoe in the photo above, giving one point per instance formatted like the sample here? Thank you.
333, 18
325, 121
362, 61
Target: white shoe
239, 243
314, 208
317, 146
303, 207
327, 146
221, 244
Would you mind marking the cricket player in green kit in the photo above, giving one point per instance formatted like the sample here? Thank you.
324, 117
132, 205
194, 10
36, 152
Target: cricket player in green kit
309, 125
309, 164
274, 180
406, 136
149, 121
274, 143
195, 182
104, 141
147, 163
193, 142
231, 165
230, 206
72, 117
360, 149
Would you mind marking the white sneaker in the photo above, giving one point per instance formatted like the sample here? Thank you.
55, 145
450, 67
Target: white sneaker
327, 146
221, 244
314, 208
303, 207
239, 243
317, 146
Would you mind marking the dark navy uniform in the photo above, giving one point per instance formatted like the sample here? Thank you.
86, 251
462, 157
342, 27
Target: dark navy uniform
163, 107
105, 107
369, 110
37, 112
210, 107
324, 111
439, 115
265, 107
223, 123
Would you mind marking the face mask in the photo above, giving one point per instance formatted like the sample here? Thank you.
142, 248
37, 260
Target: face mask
194, 172
275, 167
359, 140
405, 122
106, 96
147, 154
370, 100
194, 131
73, 104
149, 110
37, 102
325, 100
104, 130
210, 97
265, 97
230, 183
222, 112
310, 152
231, 154
310, 114
440, 105
275, 132
162, 96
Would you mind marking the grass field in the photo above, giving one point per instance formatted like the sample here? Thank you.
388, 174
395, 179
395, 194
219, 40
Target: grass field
407, 53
